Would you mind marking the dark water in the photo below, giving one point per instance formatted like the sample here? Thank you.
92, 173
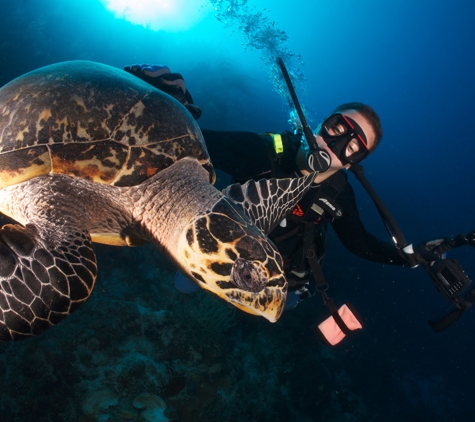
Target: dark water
414, 63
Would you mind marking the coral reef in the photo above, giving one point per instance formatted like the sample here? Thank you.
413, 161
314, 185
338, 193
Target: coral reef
98, 403
153, 407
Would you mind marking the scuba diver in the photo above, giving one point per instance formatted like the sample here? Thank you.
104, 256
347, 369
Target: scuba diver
346, 137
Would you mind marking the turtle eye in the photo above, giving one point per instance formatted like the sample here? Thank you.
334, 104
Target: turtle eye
248, 276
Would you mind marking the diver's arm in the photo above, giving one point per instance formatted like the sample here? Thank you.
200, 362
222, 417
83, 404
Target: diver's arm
357, 239
243, 155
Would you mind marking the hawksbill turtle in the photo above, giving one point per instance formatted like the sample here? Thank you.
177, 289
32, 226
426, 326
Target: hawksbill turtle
89, 153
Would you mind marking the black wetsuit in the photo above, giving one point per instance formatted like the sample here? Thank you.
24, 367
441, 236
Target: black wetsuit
247, 155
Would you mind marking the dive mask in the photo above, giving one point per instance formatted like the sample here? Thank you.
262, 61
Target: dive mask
345, 138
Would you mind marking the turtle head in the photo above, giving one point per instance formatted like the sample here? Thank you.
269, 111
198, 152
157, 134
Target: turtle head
225, 253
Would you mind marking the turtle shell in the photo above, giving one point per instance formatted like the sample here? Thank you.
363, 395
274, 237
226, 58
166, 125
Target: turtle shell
92, 121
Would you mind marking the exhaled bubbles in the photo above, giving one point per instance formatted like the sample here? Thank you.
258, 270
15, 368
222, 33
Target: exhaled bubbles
263, 34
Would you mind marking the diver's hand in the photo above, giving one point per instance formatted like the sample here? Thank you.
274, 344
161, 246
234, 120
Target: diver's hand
431, 251
427, 251
160, 77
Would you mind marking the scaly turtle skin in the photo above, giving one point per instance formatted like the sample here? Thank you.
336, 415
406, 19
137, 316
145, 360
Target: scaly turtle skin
89, 153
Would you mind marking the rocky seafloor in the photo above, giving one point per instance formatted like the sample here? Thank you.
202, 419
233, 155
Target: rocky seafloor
193, 357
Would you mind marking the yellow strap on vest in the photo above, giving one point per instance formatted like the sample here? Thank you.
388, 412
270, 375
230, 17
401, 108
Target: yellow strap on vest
278, 144
276, 141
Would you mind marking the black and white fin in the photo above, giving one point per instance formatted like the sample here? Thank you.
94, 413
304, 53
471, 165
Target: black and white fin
268, 201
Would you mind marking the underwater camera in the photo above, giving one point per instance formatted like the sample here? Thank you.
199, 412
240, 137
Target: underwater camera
450, 279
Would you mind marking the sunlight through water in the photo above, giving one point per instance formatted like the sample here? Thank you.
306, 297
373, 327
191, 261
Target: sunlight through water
160, 15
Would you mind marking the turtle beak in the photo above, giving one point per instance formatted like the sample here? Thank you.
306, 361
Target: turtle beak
251, 289
268, 303
258, 291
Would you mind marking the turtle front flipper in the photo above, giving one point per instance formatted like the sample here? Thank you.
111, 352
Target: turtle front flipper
41, 284
268, 201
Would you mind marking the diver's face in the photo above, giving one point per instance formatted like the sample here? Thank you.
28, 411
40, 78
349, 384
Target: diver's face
336, 163
365, 126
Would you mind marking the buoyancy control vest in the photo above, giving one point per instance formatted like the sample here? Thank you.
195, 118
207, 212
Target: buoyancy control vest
308, 220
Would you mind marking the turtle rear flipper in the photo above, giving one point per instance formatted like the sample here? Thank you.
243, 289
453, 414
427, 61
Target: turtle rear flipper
40, 283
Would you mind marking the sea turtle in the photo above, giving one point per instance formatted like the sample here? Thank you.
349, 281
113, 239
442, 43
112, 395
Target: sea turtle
89, 153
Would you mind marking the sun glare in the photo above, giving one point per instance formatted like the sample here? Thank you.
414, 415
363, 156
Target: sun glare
160, 15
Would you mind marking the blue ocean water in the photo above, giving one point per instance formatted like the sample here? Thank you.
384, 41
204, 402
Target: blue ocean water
413, 62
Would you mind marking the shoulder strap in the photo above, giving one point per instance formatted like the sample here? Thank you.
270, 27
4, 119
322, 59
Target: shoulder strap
335, 184
321, 283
